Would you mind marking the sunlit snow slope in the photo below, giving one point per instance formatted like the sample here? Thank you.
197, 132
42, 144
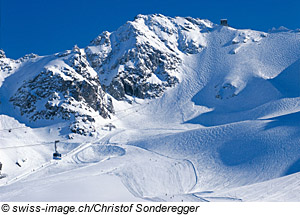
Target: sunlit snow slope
222, 125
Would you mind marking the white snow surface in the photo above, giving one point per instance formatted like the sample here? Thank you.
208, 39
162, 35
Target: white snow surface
229, 131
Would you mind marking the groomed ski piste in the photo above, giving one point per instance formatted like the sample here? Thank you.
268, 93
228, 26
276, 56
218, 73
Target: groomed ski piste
228, 131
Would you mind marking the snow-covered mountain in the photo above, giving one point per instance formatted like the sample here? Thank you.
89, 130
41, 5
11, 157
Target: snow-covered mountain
66, 88
199, 111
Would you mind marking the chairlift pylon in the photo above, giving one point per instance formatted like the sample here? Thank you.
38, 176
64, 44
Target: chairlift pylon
110, 126
2, 175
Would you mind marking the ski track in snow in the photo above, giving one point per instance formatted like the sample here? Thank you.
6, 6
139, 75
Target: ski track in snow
229, 131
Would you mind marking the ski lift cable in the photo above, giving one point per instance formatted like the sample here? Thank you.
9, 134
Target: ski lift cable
127, 114
29, 145
137, 107
124, 115
45, 143
8, 129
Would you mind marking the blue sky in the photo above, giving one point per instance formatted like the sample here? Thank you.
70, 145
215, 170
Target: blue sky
49, 26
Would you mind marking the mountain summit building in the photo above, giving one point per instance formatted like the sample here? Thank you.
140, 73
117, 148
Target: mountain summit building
224, 22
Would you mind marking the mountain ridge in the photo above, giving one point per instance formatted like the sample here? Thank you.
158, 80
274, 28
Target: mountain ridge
176, 108
142, 59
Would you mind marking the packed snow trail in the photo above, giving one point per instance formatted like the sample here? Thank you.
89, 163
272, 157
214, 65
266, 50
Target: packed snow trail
138, 168
45, 165
230, 122
71, 153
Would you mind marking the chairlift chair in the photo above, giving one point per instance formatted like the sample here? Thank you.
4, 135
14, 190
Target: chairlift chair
56, 154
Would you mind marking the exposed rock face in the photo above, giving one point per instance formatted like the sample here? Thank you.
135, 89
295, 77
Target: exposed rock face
149, 64
225, 91
2, 54
69, 91
142, 57
6, 65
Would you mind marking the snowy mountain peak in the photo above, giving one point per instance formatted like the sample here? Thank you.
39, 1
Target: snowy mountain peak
213, 111
76, 49
2, 54
67, 88
142, 57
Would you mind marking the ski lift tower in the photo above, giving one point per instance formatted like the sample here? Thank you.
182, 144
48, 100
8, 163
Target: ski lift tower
2, 175
110, 126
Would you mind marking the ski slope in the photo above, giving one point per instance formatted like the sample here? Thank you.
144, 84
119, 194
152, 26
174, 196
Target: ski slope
228, 131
